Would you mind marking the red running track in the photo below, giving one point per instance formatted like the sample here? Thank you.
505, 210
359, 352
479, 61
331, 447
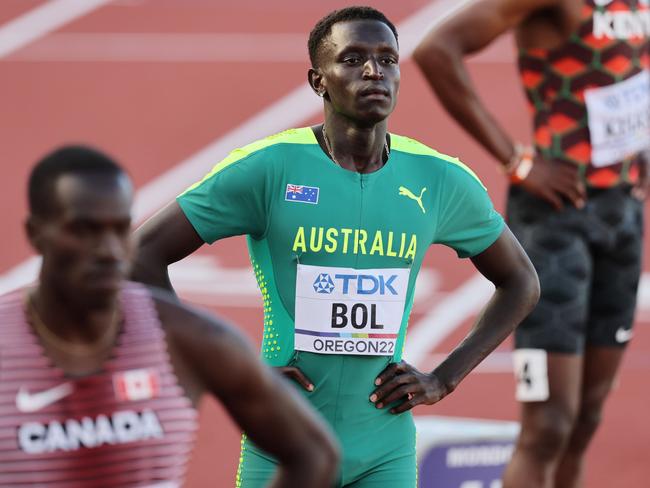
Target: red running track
152, 111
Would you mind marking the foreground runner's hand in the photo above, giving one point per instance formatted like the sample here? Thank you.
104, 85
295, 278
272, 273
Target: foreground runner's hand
401, 381
297, 375
554, 181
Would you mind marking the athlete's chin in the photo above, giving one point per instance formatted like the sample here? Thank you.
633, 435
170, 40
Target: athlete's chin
101, 292
376, 112
373, 117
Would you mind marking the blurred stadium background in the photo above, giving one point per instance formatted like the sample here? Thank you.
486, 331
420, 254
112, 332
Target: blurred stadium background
169, 86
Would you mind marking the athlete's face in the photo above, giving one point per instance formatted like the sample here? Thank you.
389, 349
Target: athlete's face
86, 241
359, 70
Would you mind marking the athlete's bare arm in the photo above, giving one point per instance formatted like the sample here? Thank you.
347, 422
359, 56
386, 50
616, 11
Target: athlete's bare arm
211, 357
165, 238
168, 237
440, 57
507, 266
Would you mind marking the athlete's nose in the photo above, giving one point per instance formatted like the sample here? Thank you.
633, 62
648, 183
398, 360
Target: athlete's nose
372, 70
110, 247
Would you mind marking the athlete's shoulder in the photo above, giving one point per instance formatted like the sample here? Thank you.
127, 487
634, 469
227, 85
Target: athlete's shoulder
258, 156
411, 146
12, 301
302, 135
178, 316
13, 321
195, 333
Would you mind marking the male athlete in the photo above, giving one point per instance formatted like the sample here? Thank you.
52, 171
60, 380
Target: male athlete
574, 202
99, 377
339, 217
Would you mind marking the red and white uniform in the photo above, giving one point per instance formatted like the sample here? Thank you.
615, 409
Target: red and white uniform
128, 425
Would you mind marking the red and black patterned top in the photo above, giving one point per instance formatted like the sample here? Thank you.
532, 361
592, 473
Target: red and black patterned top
129, 425
610, 46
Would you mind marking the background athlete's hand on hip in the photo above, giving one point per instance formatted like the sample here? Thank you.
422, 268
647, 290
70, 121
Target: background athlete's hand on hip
554, 181
297, 375
401, 382
641, 188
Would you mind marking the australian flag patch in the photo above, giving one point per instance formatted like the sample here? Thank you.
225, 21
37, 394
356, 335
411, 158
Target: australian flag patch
301, 193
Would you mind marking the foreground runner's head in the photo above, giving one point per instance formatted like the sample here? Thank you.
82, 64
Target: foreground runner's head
80, 221
354, 54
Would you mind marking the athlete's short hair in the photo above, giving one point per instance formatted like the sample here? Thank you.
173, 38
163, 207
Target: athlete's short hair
76, 160
323, 27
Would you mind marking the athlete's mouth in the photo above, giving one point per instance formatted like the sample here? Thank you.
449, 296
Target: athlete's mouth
105, 276
375, 92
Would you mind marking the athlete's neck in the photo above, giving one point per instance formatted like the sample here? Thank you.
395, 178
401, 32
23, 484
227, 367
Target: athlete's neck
356, 148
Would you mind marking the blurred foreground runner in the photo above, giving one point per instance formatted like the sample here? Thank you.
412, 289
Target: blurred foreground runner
99, 377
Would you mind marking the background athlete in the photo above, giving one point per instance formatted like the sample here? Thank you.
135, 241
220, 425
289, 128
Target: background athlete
100, 377
339, 217
574, 202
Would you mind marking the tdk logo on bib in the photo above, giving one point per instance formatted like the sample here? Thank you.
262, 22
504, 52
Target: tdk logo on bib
323, 284
362, 284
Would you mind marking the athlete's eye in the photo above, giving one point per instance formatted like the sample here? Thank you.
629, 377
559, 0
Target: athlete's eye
352, 60
81, 228
123, 228
389, 60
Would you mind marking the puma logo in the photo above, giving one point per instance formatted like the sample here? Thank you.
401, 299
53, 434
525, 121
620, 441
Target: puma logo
405, 192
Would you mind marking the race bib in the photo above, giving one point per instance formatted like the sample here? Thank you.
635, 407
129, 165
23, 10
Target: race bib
531, 373
349, 311
619, 119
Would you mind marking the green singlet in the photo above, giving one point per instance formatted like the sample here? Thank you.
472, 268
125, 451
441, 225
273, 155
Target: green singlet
336, 254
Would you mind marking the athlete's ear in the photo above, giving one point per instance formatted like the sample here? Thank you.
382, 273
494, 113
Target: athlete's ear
316, 81
34, 232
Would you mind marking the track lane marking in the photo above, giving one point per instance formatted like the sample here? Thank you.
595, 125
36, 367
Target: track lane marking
41, 20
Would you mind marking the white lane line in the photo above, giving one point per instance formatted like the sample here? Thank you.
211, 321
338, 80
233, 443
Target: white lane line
466, 301
462, 303
242, 47
413, 29
42, 20
20, 275
192, 47
299, 105
497, 362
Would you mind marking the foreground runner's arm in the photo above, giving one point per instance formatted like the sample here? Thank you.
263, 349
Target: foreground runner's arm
507, 266
440, 57
211, 357
162, 240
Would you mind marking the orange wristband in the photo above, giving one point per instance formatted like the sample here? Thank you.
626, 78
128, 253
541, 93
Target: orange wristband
522, 171
519, 166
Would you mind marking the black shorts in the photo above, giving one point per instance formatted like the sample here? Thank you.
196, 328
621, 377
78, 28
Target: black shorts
588, 262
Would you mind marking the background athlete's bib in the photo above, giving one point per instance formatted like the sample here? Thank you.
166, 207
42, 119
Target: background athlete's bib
349, 311
619, 119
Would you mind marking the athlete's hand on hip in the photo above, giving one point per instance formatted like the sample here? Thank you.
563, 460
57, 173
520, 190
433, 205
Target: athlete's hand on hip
555, 181
297, 375
641, 188
401, 382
